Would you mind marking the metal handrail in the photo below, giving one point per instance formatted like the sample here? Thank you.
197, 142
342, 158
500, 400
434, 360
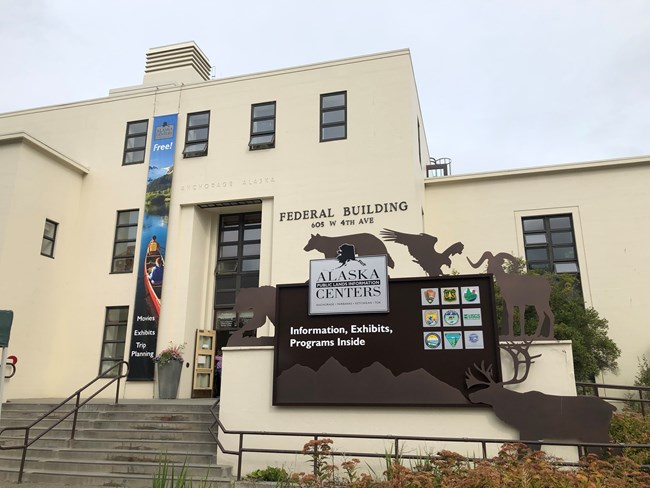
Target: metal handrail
594, 387
239, 452
78, 404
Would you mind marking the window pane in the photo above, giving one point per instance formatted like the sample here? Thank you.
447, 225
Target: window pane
47, 247
250, 280
197, 134
566, 267
560, 222
134, 157
333, 117
252, 218
126, 218
561, 238
250, 265
564, 253
537, 254
113, 350
333, 133
115, 333
533, 224
126, 233
124, 249
49, 230
196, 149
333, 100
541, 266
264, 126
122, 265
229, 266
267, 139
117, 315
226, 283
106, 365
535, 239
251, 249
225, 298
264, 110
252, 234
228, 251
230, 235
198, 119
138, 127
230, 221
136, 142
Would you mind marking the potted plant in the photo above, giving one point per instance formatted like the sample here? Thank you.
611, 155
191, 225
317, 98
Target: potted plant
169, 363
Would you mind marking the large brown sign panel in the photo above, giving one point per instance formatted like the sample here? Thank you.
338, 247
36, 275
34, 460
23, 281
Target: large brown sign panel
417, 354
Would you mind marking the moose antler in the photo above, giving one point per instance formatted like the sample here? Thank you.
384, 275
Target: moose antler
472, 380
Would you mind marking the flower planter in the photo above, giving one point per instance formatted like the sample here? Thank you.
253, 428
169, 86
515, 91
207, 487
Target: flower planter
169, 375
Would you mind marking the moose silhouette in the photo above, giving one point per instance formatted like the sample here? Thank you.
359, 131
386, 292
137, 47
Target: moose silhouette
536, 415
519, 291
422, 248
364, 244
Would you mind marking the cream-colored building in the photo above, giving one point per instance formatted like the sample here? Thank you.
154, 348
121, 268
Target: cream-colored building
262, 164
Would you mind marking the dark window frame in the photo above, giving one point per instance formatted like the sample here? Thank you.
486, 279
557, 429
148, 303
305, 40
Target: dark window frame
132, 150
47, 238
330, 109
247, 221
548, 232
108, 325
117, 241
254, 145
193, 147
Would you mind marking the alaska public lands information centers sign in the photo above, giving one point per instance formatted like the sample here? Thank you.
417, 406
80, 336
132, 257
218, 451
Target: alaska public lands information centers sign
411, 345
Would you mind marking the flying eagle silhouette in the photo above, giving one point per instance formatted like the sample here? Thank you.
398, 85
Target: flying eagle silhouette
422, 248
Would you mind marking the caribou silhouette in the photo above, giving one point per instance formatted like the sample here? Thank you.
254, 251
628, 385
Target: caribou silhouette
538, 416
364, 245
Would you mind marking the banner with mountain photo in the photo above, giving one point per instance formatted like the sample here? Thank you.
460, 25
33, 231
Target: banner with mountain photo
146, 310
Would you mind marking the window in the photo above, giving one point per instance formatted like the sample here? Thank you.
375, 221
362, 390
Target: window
333, 116
238, 266
135, 142
114, 338
550, 244
196, 135
126, 232
49, 236
262, 126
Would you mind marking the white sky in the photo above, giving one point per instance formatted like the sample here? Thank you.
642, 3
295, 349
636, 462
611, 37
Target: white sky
502, 83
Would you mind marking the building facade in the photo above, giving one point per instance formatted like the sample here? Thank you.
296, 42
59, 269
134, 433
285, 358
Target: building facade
241, 180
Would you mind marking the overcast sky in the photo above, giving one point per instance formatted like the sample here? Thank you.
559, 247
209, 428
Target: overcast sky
502, 83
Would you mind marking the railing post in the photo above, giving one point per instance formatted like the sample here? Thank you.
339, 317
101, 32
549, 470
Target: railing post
24, 456
396, 448
641, 402
74, 417
239, 456
119, 378
315, 468
484, 449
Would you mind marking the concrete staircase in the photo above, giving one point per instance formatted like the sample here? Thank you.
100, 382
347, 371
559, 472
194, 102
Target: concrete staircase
115, 445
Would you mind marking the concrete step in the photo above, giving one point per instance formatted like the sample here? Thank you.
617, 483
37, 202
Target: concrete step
115, 445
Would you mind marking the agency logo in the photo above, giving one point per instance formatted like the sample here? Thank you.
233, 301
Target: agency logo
470, 295
429, 296
432, 340
453, 340
474, 340
451, 317
431, 318
450, 295
472, 317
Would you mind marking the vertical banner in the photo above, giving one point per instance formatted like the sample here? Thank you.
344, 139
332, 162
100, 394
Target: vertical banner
146, 310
